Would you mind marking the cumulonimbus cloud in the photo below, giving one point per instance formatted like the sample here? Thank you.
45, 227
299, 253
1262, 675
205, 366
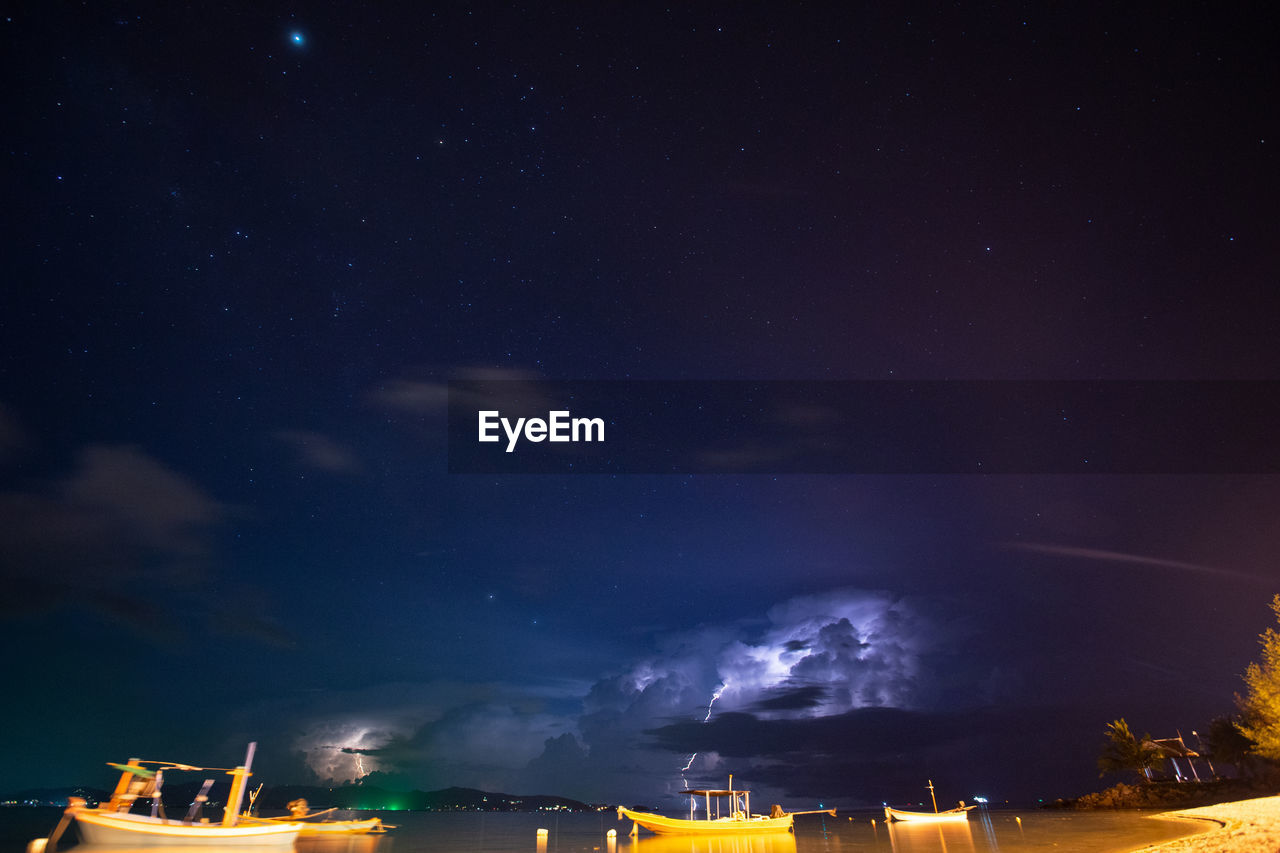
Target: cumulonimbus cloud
809, 658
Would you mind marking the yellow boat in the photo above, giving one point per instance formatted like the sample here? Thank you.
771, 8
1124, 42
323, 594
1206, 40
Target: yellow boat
738, 821
663, 825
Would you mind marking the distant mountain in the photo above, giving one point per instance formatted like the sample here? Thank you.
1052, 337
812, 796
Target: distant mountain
178, 795
449, 799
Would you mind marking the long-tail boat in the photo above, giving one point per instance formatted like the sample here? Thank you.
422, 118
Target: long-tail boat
959, 813
112, 823
737, 819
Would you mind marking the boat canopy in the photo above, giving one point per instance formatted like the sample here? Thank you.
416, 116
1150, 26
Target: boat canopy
135, 769
713, 793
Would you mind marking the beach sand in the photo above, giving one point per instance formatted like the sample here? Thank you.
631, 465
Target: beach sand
1244, 826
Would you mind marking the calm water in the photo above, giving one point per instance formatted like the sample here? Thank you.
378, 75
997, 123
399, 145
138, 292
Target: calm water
418, 832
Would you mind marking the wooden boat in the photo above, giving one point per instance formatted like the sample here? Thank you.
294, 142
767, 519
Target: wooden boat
309, 828
343, 827
956, 814
112, 823
135, 830
738, 821
741, 825
300, 813
959, 813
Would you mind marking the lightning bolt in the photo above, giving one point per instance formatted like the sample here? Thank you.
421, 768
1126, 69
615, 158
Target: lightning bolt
714, 696
360, 765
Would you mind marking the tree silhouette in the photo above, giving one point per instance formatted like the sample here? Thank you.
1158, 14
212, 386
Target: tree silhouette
1123, 752
1261, 705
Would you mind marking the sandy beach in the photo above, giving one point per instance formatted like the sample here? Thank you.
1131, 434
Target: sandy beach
1243, 825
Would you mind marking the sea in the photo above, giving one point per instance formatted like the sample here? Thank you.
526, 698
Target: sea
1008, 831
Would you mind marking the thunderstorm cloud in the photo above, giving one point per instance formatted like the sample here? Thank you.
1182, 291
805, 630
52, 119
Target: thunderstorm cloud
653, 725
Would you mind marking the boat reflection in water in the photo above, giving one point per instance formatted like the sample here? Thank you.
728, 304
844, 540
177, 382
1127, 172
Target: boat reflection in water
165, 848
341, 844
912, 837
782, 842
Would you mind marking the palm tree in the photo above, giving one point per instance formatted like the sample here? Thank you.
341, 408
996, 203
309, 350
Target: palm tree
1124, 752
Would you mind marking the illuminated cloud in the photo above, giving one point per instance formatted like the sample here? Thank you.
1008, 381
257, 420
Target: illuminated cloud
811, 658
817, 656
336, 749
428, 735
861, 649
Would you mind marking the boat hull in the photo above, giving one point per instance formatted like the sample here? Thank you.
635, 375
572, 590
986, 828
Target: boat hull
323, 828
662, 825
343, 827
115, 828
951, 816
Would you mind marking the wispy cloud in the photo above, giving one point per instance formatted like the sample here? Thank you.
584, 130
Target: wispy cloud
418, 397
1124, 557
140, 497
319, 452
120, 514
125, 537
430, 395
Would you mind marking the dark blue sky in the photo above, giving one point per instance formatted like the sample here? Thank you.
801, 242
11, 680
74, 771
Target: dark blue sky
242, 268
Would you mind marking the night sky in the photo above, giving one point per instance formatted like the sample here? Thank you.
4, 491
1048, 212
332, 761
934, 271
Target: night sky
247, 247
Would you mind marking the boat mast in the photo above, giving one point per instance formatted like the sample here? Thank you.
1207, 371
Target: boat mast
240, 777
932, 797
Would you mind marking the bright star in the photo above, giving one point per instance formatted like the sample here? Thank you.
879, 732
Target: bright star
297, 38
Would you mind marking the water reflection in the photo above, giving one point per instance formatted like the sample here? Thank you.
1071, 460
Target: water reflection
366, 843
170, 848
931, 837
993, 832
987, 829
780, 842
343, 844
